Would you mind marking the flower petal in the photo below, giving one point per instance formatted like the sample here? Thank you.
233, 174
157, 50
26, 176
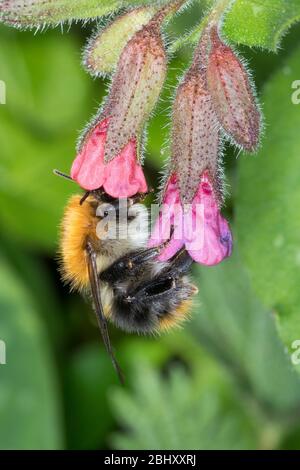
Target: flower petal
88, 167
124, 176
162, 228
210, 241
216, 243
170, 217
171, 249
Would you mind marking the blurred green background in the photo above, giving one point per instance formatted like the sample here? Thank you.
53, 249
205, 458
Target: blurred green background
225, 381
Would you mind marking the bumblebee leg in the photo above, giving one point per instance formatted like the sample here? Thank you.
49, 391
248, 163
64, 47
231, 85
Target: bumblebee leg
179, 264
95, 288
164, 283
149, 296
129, 266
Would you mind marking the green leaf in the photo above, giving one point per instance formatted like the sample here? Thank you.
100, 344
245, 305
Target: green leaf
29, 402
261, 23
241, 332
268, 201
104, 49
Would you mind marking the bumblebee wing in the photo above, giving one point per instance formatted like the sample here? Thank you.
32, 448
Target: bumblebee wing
95, 288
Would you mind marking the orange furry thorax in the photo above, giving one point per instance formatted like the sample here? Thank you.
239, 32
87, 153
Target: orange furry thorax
79, 222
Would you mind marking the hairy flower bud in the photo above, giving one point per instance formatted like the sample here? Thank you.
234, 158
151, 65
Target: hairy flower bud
135, 89
232, 92
191, 197
195, 135
103, 50
33, 13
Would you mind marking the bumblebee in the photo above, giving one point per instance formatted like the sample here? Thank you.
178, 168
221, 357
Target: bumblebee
126, 283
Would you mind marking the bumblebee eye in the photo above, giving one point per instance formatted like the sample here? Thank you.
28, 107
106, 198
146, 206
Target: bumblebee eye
106, 210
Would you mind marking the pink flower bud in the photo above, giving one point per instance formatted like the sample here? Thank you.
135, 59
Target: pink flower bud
121, 177
232, 92
195, 135
198, 226
135, 88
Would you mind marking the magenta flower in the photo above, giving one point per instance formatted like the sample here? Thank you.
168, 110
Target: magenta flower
199, 226
120, 177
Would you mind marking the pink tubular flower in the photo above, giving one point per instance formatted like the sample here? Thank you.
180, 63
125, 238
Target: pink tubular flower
120, 177
190, 215
198, 226
110, 155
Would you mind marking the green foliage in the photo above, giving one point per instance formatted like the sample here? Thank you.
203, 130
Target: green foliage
29, 403
241, 332
37, 74
261, 23
250, 22
39, 284
268, 199
88, 378
179, 413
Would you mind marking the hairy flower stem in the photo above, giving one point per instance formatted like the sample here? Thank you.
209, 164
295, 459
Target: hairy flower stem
215, 17
168, 9
219, 9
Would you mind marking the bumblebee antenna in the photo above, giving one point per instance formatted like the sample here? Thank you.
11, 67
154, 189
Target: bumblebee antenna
95, 286
84, 197
67, 177
62, 175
